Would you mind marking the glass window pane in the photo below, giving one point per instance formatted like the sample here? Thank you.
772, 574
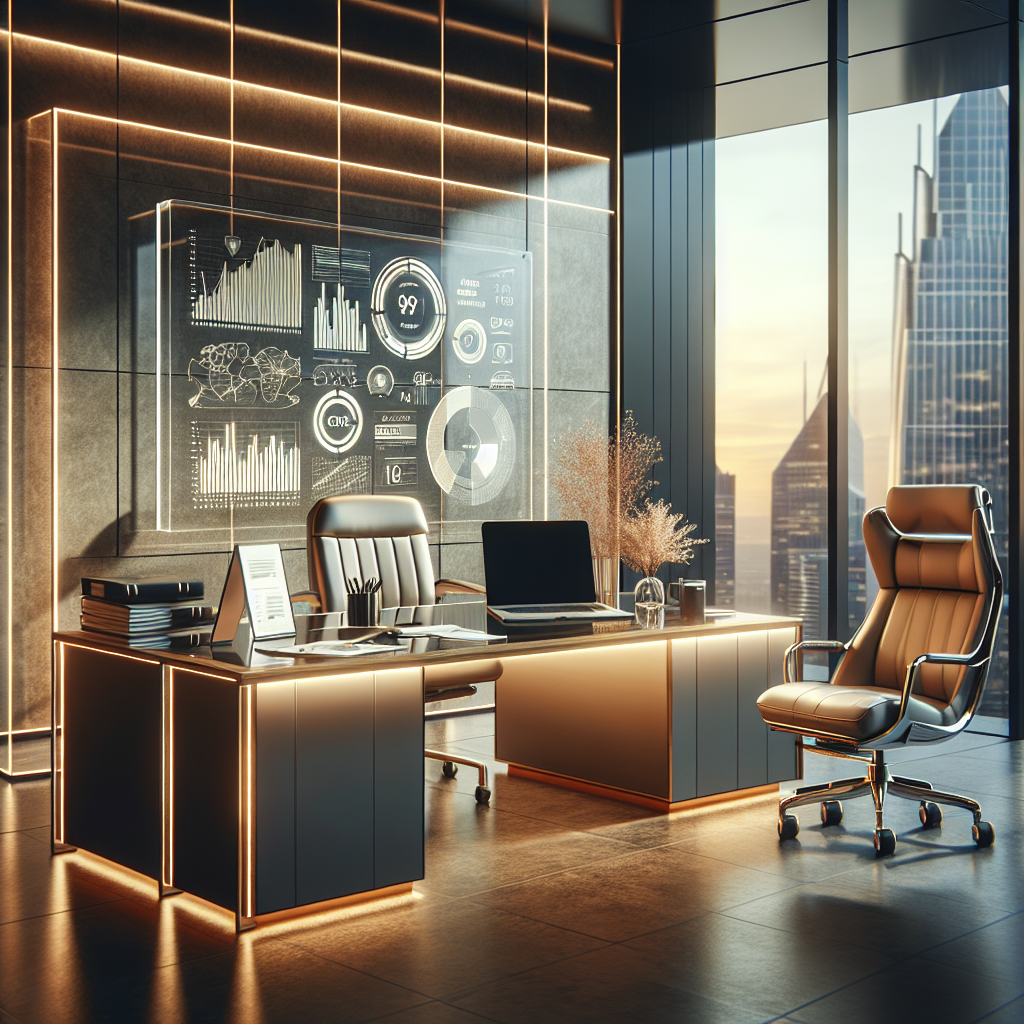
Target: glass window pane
771, 346
928, 337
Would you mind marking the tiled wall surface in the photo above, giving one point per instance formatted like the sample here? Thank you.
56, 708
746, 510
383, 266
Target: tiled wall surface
267, 112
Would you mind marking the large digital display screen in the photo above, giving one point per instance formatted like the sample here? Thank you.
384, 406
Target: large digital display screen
298, 359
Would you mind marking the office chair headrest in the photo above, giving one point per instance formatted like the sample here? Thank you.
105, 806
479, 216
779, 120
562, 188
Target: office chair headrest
938, 509
357, 515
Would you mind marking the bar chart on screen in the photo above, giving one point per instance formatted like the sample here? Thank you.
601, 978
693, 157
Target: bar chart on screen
336, 325
262, 291
245, 465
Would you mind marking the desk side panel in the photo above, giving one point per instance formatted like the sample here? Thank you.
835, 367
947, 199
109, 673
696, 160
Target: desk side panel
684, 719
112, 757
206, 807
782, 752
716, 714
275, 796
398, 777
333, 786
599, 714
752, 764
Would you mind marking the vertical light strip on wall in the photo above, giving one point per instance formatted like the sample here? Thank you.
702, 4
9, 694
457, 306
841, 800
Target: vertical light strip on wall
338, 125
618, 276
54, 362
10, 395
547, 281
440, 14
159, 372
231, 196
231, 118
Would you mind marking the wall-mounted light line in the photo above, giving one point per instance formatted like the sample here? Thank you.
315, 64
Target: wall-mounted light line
392, 9
54, 371
235, 83
547, 278
449, 182
9, 625
441, 113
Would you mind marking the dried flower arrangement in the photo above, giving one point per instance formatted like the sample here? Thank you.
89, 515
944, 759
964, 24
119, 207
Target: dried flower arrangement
603, 479
654, 535
600, 479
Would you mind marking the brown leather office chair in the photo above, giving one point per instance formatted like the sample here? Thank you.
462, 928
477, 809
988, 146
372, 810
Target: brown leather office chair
916, 668
375, 536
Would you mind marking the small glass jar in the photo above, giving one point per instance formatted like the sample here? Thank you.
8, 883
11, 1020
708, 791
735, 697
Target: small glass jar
649, 603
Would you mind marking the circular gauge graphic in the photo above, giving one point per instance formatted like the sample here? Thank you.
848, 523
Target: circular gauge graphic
407, 308
337, 421
380, 381
469, 341
471, 445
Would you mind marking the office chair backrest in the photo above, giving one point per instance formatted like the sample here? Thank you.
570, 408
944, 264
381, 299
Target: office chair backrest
365, 536
940, 591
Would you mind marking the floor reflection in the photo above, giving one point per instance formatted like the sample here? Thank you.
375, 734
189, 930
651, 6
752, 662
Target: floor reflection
550, 905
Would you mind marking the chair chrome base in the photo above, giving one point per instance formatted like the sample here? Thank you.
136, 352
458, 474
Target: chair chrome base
878, 783
448, 763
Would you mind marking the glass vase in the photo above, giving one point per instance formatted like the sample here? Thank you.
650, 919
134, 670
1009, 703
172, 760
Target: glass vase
649, 603
606, 579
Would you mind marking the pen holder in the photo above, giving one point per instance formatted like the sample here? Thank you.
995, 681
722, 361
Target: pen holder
364, 609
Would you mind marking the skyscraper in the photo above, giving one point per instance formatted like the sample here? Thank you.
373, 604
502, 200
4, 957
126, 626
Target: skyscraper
949, 335
725, 539
799, 552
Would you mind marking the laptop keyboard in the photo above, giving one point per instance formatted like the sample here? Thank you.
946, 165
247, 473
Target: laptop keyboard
552, 609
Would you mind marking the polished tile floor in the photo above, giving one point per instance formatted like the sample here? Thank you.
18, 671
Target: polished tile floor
556, 906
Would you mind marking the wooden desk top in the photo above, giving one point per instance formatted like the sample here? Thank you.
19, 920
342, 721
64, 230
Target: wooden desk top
244, 667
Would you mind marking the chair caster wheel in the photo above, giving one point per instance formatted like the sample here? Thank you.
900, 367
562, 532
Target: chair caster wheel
788, 827
983, 833
449, 769
831, 812
885, 842
931, 815
483, 795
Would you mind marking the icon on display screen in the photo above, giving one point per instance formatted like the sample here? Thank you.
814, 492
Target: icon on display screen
337, 375
408, 308
501, 352
337, 421
380, 381
470, 341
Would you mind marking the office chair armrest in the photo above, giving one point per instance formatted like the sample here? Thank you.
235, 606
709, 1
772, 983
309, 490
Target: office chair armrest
914, 670
458, 587
789, 661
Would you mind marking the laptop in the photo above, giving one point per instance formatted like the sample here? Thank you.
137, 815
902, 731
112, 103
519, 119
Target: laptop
541, 571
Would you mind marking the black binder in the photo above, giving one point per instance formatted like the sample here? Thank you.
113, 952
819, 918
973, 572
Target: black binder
141, 589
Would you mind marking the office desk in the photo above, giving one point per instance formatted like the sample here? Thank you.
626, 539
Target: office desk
660, 718
265, 785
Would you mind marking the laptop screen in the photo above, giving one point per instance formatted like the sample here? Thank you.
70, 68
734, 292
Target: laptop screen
538, 562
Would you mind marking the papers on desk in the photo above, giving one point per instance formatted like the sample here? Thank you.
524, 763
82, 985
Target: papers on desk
445, 632
328, 648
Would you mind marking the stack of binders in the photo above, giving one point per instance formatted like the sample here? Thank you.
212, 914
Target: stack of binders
147, 611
